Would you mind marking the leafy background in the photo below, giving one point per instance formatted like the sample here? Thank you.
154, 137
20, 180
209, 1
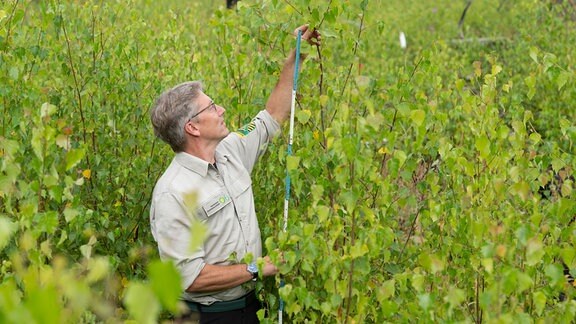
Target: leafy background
431, 183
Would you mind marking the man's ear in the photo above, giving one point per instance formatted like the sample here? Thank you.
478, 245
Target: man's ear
192, 129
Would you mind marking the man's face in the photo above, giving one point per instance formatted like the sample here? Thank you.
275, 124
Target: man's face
210, 119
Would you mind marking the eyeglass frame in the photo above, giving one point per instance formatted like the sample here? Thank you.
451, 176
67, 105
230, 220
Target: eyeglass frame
204, 109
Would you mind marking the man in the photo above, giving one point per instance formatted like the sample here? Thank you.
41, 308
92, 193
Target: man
231, 3
214, 165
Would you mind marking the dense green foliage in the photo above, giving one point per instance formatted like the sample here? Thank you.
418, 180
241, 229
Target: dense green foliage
432, 183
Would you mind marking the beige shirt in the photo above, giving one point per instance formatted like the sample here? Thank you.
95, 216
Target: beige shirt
224, 204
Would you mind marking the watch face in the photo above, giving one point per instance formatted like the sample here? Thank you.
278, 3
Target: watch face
252, 268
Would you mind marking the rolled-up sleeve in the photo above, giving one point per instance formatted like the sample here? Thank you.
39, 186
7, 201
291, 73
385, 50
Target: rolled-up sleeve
171, 227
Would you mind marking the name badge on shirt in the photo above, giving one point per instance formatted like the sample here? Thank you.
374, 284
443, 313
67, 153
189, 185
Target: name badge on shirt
216, 203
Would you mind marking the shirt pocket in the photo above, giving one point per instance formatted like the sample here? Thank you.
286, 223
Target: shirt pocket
240, 185
241, 192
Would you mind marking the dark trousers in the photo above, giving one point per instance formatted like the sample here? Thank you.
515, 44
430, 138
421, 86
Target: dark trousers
230, 3
246, 315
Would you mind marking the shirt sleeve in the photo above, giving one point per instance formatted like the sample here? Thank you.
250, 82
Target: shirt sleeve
251, 140
172, 227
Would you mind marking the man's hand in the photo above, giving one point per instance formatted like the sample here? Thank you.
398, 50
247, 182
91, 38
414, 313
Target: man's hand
269, 268
312, 36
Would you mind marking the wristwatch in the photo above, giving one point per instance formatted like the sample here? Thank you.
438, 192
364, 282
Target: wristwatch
253, 269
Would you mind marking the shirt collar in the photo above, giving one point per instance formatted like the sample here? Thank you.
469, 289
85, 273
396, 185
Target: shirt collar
192, 163
196, 164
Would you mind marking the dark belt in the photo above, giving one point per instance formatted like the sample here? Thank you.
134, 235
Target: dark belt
223, 306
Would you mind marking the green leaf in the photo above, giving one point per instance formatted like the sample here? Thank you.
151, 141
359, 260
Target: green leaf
292, 162
358, 250
539, 299
190, 202
510, 281
10, 296
534, 251
496, 69
62, 141
562, 79
488, 264
43, 303
350, 200
389, 308
388, 289
568, 255
326, 308
524, 282
535, 137
73, 157
417, 280
70, 214
515, 173
10, 148
37, 142
98, 268
285, 291
86, 251
306, 266
477, 68
7, 229
521, 189
418, 116
303, 116
556, 275
549, 60
455, 297
14, 73
566, 188
47, 222
483, 146
401, 157
534, 54
565, 125
425, 301
404, 109
323, 212
166, 283
459, 84
47, 110
431, 262
142, 304
350, 147
558, 164
531, 83
198, 232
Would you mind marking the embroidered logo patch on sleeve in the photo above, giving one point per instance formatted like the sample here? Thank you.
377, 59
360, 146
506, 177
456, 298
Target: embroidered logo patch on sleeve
246, 129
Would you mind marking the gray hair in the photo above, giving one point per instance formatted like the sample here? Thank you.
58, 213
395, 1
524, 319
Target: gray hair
172, 111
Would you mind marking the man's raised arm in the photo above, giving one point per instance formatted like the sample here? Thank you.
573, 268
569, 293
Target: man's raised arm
279, 102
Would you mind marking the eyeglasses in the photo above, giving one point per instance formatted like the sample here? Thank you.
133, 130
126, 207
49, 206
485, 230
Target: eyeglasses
211, 105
